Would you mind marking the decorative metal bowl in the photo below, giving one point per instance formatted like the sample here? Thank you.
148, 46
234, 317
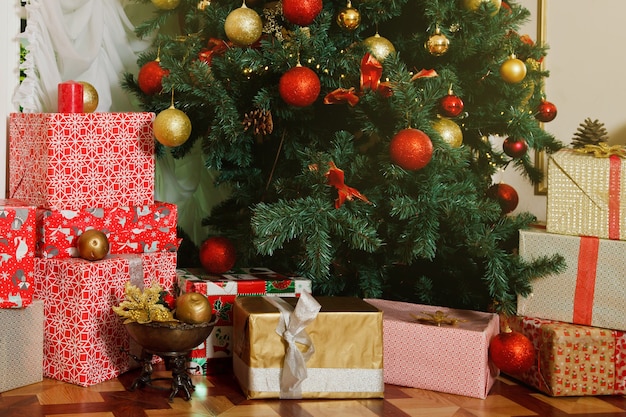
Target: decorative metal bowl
174, 337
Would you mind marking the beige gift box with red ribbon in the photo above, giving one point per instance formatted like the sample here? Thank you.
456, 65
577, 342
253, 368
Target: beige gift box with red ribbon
591, 291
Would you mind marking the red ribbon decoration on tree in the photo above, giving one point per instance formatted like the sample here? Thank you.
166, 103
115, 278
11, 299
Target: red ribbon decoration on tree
341, 95
371, 71
336, 179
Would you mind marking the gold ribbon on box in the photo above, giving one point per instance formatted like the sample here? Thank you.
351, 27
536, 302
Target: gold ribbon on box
291, 327
603, 150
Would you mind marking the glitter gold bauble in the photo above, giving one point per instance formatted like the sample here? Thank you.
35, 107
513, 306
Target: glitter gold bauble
172, 127
437, 44
474, 5
92, 245
378, 46
243, 26
166, 4
513, 70
90, 97
348, 18
449, 131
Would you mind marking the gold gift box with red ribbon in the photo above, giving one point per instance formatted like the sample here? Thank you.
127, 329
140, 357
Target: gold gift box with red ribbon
592, 289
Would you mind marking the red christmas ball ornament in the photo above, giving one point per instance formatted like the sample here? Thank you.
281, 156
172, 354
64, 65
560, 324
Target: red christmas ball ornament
451, 105
217, 254
150, 76
546, 111
411, 149
515, 148
505, 195
301, 12
299, 86
512, 352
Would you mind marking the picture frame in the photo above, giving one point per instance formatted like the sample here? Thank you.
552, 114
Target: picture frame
541, 158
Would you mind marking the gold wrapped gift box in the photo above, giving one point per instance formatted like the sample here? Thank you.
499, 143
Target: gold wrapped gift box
348, 349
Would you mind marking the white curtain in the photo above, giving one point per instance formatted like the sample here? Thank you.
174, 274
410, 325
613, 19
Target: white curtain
94, 41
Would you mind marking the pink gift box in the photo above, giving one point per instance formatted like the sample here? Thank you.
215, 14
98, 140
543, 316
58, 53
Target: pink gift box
81, 160
84, 338
573, 360
447, 358
221, 290
17, 248
134, 229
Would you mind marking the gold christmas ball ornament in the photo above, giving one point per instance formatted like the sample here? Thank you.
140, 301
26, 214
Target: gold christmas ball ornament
349, 18
437, 44
379, 47
92, 245
165, 4
513, 70
193, 308
474, 5
243, 26
172, 127
90, 97
449, 131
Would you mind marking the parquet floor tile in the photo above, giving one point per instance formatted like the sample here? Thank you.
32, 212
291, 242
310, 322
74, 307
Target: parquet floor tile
220, 396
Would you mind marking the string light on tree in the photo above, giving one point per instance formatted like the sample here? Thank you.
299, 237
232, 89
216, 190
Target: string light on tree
243, 26
165, 4
379, 46
411, 149
513, 70
348, 18
515, 148
437, 44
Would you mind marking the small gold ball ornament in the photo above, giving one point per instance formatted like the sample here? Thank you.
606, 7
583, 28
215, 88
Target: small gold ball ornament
449, 131
172, 127
243, 26
90, 97
437, 44
349, 18
513, 70
166, 4
474, 5
92, 245
378, 46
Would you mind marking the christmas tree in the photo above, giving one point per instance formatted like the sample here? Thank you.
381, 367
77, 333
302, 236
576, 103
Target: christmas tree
357, 138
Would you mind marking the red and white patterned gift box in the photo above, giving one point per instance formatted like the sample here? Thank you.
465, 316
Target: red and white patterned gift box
134, 229
573, 360
17, 248
446, 358
81, 160
84, 338
221, 290
591, 291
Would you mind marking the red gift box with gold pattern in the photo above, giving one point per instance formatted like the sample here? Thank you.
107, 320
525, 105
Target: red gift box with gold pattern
81, 160
221, 291
573, 360
17, 248
134, 229
452, 357
84, 338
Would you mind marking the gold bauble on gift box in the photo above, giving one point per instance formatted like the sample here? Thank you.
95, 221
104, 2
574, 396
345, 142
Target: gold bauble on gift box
378, 46
243, 26
172, 127
92, 245
90, 97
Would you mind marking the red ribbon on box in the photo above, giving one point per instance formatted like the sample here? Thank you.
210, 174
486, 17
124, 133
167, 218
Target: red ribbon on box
585, 280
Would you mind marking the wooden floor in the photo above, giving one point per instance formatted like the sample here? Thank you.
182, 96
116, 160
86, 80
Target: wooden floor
219, 395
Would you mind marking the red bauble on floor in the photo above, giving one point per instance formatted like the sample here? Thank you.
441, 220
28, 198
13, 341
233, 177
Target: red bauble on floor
512, 352
218, 254
411, 149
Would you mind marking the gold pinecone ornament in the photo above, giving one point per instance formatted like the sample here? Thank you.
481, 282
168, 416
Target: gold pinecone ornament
589, 133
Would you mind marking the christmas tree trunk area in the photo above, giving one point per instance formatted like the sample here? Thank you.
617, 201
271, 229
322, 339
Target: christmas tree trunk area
360, 138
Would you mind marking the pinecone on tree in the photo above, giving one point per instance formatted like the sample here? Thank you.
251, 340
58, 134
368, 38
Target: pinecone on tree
260, 121
589, 133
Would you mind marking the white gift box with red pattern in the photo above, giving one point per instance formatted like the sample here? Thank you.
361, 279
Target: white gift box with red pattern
84, 338
17, 248
130, 229
451, 358
81, 160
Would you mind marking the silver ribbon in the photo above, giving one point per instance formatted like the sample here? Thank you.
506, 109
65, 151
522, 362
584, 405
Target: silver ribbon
291, 327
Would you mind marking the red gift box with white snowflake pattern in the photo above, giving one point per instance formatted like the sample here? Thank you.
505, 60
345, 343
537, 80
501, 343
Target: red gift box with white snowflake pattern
81, 160
572, 359
17, 248
221, 290
85, 342
130, 229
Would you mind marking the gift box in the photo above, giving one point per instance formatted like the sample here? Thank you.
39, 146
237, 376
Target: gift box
586, 195
21, 346
591, 291
130, 229
17, 248
573, 360
80, 160
326, 347
216, 353
85, 341
437, 348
